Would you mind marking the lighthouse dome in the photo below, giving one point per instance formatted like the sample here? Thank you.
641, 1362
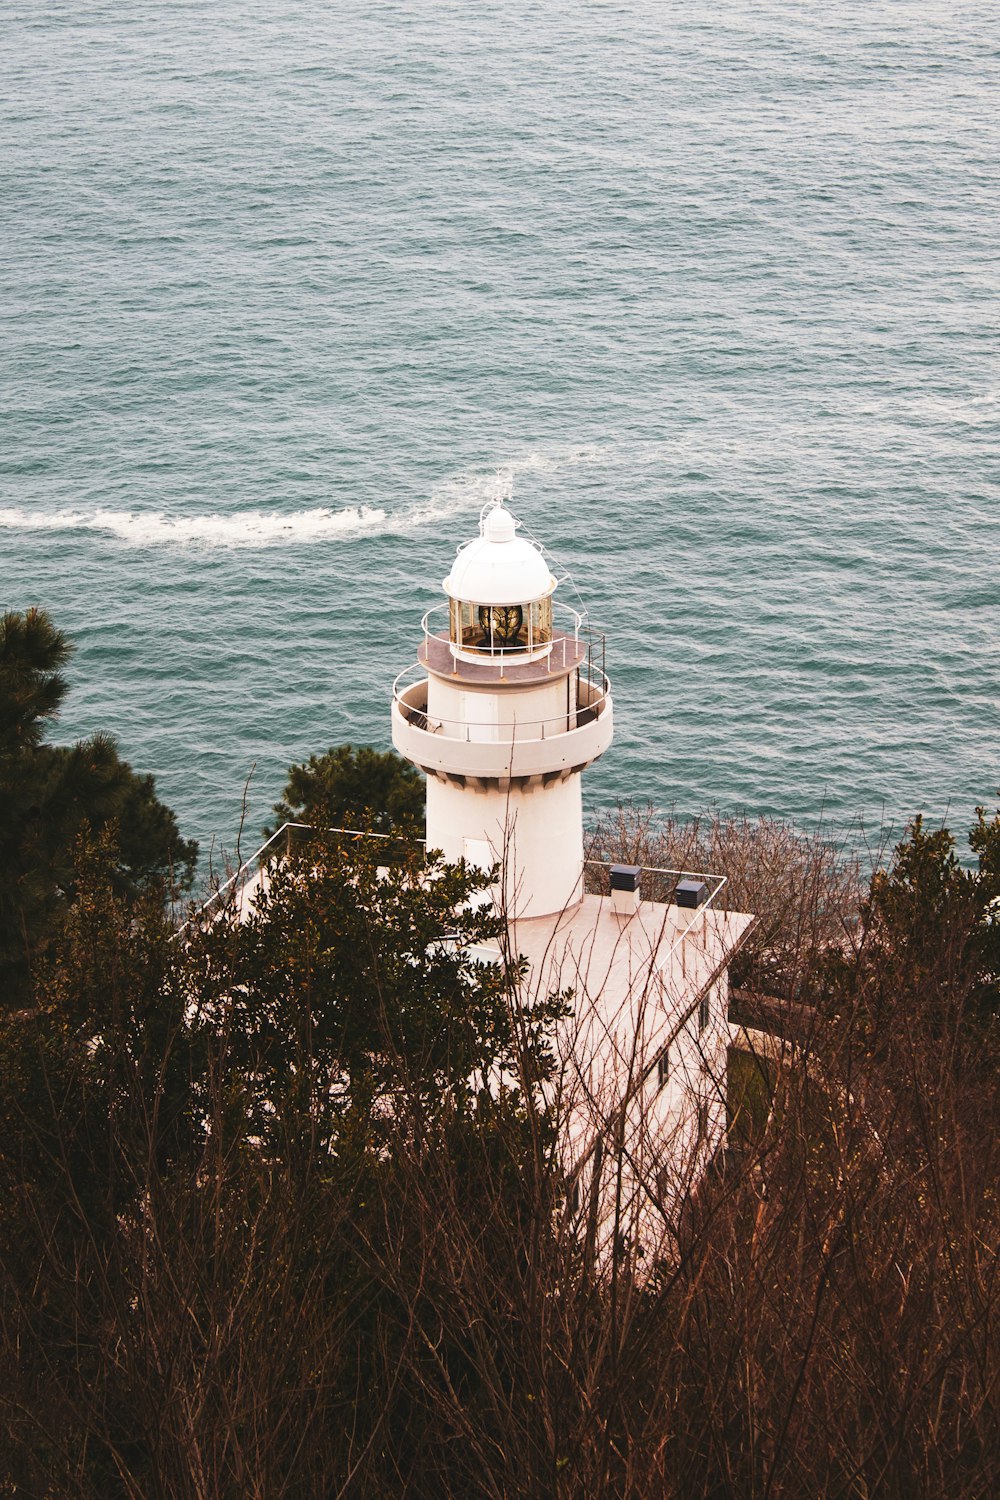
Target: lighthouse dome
498, 566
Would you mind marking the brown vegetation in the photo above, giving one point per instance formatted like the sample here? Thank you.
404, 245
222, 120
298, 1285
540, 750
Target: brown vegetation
216, 1282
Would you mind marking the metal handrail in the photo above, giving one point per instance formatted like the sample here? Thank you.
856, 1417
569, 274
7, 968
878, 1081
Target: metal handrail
605, 864
230, 889
658, 879
508, 653
556, 724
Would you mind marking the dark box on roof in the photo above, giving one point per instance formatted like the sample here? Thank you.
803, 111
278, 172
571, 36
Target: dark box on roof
625, 877
690, 893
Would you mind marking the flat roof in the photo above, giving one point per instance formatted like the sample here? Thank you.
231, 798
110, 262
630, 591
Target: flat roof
634, 982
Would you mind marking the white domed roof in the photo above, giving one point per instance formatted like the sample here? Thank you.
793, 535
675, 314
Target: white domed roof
499, 567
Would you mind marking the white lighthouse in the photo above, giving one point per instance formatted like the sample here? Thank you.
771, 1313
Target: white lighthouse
504, 708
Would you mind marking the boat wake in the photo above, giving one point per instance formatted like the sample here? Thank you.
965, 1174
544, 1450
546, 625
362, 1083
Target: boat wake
249, 528
467, 491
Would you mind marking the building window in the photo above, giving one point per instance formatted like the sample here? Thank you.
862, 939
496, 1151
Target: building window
704, 1011
702, 1119
662, 1068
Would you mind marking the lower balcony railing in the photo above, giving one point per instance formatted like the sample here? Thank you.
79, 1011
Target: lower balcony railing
519, 748
410, 700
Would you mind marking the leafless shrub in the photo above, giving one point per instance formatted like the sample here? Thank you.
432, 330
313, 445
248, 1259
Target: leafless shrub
804, 888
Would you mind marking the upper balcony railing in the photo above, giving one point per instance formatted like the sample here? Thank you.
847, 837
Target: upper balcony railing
570, 644
507, 745
509, 630
502, 634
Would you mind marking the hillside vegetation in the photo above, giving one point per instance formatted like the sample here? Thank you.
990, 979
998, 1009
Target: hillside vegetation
281, 1211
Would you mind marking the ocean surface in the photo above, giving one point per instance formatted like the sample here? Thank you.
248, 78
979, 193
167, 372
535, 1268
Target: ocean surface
289, 290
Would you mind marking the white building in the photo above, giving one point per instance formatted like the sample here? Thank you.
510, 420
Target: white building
505, 707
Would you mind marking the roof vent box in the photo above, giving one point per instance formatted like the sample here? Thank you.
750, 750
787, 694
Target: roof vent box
690, 893
625, 889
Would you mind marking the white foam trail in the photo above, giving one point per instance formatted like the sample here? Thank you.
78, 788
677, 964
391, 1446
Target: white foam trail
463, 492
250, 528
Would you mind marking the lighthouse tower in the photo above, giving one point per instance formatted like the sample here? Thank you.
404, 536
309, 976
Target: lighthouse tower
504, 708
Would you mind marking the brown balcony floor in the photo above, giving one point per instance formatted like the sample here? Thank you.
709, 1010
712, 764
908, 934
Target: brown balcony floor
567, 653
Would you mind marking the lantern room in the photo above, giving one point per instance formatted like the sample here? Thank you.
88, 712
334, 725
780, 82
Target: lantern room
500, 588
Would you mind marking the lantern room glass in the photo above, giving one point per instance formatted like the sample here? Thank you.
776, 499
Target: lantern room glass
500, 629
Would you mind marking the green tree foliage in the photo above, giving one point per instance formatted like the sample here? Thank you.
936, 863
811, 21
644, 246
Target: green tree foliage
349, 982
49, 792
96, 1106
32, 651
350, 787
931, 931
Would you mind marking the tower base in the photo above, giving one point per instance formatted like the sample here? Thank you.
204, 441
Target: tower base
534, 832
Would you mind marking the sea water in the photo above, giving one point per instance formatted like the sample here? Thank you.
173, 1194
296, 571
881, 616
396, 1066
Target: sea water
288, 291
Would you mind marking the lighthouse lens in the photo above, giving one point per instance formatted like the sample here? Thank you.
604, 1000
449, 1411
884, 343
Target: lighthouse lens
501, 626
492, 629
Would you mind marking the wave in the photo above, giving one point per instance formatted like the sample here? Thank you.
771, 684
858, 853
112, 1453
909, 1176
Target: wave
462, 492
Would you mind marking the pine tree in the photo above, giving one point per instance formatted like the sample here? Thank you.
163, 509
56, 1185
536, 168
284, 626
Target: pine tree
49, 793
354, 787
32, 651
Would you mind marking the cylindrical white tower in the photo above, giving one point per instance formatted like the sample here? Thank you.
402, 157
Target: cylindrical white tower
504, 708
